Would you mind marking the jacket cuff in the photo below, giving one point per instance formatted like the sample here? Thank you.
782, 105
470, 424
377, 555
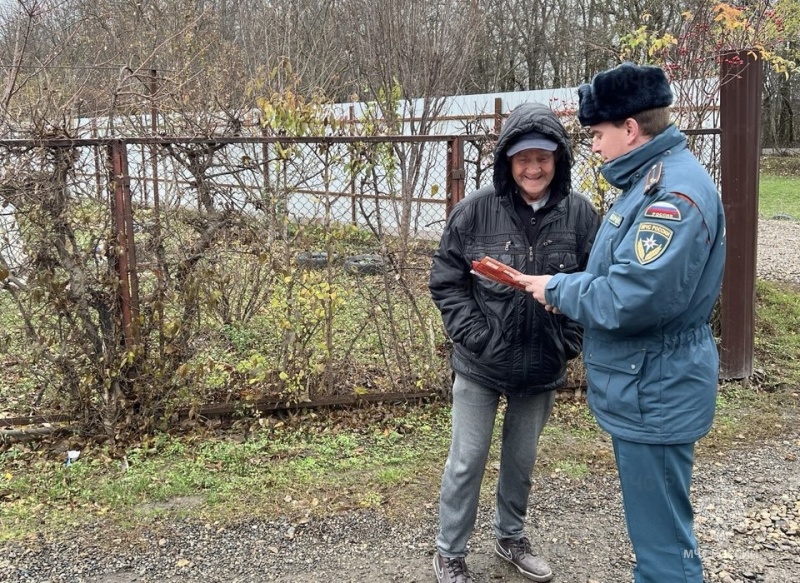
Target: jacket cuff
550, 292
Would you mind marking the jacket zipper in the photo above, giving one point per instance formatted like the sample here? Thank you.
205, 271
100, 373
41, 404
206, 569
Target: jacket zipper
528, 324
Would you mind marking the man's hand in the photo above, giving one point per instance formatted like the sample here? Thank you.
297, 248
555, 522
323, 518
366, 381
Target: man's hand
535, 284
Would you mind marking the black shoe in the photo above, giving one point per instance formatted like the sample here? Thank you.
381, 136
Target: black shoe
518, 553
450, 570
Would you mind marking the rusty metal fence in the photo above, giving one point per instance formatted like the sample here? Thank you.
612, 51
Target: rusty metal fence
161, 275
185, 271
148, 277
401, 187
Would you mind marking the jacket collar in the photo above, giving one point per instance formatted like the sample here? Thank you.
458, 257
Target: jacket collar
622, 172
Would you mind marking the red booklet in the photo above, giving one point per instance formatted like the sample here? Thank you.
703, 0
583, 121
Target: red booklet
496, 271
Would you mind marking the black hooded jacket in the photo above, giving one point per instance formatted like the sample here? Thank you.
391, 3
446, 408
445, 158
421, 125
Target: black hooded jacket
503, 337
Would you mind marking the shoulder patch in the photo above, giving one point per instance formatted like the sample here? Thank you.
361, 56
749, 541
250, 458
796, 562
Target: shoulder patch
663, 210
653, 176
652, 241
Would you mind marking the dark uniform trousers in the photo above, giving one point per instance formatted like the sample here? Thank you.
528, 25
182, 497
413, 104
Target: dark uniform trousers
655, 481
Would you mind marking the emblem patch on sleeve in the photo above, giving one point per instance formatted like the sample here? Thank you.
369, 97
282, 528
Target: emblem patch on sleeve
663, 210
652, 240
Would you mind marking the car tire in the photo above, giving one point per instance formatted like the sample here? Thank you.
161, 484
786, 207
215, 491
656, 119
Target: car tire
314, 259
365, 264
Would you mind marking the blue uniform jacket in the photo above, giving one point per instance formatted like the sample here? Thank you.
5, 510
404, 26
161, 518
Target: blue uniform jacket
646, 297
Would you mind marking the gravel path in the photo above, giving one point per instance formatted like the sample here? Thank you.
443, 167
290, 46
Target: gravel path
747, 502
778, 258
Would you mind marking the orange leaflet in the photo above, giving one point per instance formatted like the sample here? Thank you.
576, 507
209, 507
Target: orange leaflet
494, 270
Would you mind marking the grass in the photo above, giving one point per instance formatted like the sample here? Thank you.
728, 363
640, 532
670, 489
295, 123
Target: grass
779, 186
779, 196
291, 467
770, 404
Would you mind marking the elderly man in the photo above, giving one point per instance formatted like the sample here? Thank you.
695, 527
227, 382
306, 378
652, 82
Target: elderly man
506, 345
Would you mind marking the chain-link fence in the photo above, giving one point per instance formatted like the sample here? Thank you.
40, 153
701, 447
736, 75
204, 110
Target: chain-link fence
158, 276
165, 274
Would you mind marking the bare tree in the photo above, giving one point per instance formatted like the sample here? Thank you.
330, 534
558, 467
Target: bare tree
409, 55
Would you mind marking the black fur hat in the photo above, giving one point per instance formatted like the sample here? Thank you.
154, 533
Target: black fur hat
621, 92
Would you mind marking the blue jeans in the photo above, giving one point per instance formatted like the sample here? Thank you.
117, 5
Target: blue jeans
474, 411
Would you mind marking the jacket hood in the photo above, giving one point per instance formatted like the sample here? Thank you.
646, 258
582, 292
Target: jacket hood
523, 119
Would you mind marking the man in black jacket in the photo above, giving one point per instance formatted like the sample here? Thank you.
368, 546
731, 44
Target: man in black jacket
505, 343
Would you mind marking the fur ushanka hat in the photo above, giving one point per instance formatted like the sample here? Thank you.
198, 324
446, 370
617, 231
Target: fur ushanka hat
621, 92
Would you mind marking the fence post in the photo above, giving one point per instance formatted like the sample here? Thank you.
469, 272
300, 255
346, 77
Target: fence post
455, 173
125, 255
498, 115
741, 77
154, 147
157, 206
353, 172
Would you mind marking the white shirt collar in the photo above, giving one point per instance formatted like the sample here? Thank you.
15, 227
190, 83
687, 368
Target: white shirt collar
537, 204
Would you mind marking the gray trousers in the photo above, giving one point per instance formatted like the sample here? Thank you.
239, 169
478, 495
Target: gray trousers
474, 411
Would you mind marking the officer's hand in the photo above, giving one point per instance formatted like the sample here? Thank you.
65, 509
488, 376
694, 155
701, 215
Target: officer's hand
535, 285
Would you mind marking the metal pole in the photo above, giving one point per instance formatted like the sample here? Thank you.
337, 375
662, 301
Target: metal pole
455, 173
157, 206
353, 172
498, 115
126, 253
740, 121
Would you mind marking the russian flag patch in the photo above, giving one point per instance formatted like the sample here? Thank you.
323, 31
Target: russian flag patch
663, 210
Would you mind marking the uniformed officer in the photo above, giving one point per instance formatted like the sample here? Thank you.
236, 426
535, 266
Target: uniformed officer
645, 302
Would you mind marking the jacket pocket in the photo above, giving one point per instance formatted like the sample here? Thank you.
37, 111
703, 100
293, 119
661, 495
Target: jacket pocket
501, 247
560, 263
559, 254
614, 375
493, 291
505, 251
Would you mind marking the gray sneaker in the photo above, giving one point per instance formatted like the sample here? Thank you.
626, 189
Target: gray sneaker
450, 570
518, 553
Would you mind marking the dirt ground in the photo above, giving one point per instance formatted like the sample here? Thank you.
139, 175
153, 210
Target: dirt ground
747, 500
